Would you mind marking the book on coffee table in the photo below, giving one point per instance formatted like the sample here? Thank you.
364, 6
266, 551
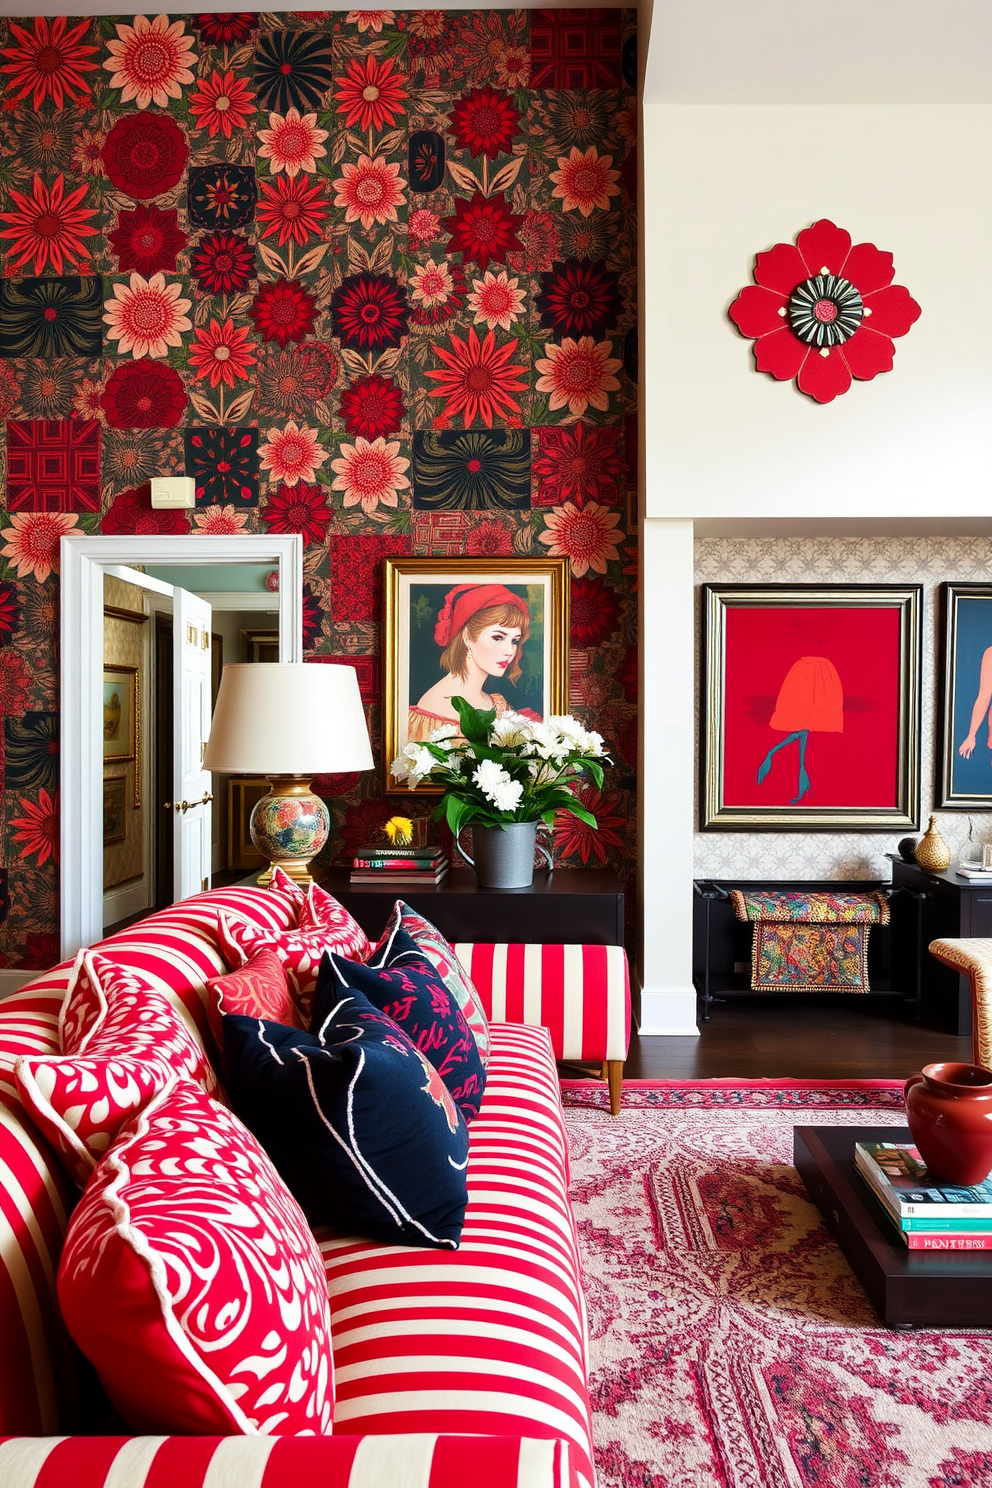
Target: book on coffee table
902, 1179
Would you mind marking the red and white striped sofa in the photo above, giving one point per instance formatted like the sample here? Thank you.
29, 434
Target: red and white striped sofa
450, 1367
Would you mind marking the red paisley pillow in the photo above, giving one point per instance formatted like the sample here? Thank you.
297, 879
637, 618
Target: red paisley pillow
81, 1104
191, 1281
298, 949
257, 990
111, 1011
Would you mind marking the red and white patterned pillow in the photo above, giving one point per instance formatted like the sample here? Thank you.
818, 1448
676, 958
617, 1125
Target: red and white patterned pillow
257, 990
325, 926
111, 1011
192, 1282
433, 945
81, 1104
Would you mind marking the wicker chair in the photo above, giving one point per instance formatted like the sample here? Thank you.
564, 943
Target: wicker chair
975, 958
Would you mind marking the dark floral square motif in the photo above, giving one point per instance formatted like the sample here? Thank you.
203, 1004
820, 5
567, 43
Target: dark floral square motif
51, 317
474, 470
222, 195
575, 49
224, 465
53, 465
31, 752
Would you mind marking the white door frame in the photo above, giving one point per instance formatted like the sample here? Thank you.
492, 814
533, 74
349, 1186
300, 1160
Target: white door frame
83, 560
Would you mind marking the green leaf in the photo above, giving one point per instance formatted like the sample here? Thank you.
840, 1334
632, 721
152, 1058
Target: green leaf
475, 724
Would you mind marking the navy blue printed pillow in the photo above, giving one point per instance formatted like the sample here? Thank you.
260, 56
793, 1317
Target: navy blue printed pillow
400, 980
358, 1122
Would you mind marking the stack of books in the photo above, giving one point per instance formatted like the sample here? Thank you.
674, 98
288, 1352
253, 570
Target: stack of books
382, 863
929, 1214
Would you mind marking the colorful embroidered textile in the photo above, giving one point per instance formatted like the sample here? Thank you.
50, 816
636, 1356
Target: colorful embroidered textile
810, 942
811, 909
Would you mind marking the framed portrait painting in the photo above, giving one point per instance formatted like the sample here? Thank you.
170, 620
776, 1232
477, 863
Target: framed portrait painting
120, 712
964, 730
810, 707
492, 630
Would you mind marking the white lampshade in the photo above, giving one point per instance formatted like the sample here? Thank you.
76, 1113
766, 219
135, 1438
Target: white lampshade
288, 718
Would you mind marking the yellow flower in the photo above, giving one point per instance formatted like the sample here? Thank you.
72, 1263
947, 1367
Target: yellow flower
399, 830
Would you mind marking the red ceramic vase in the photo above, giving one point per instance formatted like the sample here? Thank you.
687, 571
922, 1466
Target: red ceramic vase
949, 1110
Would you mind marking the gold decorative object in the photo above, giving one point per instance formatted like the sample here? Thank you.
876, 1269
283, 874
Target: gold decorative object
932, 851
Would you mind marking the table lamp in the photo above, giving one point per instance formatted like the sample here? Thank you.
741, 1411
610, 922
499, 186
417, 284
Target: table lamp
289, 721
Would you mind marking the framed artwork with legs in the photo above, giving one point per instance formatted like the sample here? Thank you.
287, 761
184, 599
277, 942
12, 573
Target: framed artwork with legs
810, 707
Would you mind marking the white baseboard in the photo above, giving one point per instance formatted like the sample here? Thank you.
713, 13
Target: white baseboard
668, 1010
13, 981
129, 899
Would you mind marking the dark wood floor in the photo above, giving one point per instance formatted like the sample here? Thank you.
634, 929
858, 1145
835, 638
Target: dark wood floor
818, 1038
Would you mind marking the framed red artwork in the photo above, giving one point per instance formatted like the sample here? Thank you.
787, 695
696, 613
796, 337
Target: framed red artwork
810, 707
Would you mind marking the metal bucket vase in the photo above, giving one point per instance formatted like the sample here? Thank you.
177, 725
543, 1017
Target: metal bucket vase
504, 856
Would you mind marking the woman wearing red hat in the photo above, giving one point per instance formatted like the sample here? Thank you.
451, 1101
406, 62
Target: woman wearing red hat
481, 629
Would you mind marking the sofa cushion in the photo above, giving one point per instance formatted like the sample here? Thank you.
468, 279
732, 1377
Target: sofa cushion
454, 976
111, 1010
406, 986
191, 1281
494, 1340
258, 989
357, 1121
299, 948
81, 1104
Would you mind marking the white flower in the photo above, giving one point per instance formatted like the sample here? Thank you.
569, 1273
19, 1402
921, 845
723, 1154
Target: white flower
497, 785
413, 764
511, 731
550, 744
443, 732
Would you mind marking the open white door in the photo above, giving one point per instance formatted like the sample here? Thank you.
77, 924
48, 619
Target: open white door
191, 721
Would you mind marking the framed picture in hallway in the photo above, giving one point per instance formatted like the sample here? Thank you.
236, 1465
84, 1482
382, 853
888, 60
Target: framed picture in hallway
964, 691
120, 712
493, 630
810, 707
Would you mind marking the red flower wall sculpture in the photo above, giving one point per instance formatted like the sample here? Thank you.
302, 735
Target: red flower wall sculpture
824, 312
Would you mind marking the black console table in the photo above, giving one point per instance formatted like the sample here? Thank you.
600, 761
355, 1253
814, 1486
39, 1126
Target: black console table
568, 906
721, 944
952, 906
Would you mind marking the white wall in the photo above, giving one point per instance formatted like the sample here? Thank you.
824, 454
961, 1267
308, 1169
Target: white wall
726, 181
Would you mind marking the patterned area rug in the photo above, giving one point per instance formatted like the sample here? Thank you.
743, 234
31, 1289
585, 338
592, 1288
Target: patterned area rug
731, 1345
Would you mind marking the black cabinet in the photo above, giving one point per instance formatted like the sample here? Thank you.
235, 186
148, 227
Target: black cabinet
951, 906
569, 906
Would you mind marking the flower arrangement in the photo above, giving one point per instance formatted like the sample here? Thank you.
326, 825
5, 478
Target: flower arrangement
500, 770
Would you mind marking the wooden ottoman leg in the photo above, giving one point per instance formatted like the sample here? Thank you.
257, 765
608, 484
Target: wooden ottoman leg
614, 1073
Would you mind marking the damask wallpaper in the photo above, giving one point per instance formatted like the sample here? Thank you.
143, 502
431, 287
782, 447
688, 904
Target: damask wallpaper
369, 276
930, 561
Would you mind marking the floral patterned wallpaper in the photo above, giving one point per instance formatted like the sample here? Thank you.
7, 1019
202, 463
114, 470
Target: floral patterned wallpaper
929, 561
369, 276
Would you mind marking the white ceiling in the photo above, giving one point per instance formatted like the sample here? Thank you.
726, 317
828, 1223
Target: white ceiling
799, 51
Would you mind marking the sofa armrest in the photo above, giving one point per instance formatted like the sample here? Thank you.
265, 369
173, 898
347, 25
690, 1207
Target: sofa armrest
284, 1461
579, 993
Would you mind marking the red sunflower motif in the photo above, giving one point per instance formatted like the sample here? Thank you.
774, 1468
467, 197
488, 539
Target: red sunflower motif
478, 378
579, 299
223, 263
49, 62
147, 240
369, 312
483, 229
593, 612
300, 508
372, 407
145, 154
485, 122
824, 312
293, 207
579, 463
144, 394
574, 839
371, 95
283, 311
225, 27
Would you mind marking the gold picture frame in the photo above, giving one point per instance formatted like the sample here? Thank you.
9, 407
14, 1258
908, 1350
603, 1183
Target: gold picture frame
120, 713
114, 811
415, 593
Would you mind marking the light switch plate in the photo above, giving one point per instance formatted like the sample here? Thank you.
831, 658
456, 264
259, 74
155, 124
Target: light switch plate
173, 491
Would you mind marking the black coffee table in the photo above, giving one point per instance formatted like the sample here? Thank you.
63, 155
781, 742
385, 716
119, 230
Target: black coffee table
908, 1288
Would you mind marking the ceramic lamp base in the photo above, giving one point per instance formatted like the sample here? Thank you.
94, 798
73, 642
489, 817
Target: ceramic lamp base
289, 826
